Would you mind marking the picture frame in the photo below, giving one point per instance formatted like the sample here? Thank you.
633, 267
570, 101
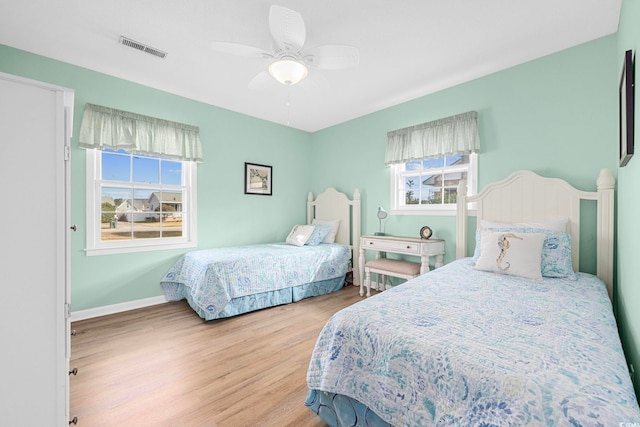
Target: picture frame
258, 179
626, 106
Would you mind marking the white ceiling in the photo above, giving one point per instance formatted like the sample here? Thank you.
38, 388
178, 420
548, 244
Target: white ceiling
408, 48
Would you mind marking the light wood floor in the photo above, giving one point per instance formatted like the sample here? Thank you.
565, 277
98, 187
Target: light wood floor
164, 366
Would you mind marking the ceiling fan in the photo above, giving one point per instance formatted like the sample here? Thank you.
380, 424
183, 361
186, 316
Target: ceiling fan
289, 57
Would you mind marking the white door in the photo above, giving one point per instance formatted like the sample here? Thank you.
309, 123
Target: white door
34, 295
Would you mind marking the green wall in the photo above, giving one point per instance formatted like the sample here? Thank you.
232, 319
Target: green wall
556, 116
226, 216
628, 289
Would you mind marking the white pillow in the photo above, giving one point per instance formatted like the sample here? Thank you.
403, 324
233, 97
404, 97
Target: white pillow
555, 224
334, 224
513, 253
299, 234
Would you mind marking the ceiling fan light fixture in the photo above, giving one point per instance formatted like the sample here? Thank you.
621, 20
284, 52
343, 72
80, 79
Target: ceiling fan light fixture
288, 71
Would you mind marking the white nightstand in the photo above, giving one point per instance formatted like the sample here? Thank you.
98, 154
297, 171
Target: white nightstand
423, 248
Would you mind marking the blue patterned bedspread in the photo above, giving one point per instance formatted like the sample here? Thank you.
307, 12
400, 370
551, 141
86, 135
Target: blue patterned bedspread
460, 347
211, 278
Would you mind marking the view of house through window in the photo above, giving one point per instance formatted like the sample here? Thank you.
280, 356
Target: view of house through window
432, 183
429, 181
141, 197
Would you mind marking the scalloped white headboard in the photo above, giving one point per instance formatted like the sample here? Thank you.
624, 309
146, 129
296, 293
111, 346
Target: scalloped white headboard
527, 197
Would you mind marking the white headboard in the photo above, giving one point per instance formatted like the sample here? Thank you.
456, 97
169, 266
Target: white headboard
527, 197
333, 204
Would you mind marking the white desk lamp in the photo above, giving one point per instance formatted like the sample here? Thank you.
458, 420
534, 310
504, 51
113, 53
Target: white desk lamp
382, 214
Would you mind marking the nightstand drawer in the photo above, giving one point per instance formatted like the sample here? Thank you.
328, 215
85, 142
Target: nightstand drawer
390, 246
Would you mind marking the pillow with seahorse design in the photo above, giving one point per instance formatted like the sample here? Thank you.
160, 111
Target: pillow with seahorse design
556, 251
512, 253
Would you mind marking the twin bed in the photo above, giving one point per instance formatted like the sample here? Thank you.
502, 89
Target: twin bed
509, 337
225, 282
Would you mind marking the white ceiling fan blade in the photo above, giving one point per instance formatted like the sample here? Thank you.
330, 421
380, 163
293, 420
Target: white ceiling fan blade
239, 49
332, 56
262, 81
287, 28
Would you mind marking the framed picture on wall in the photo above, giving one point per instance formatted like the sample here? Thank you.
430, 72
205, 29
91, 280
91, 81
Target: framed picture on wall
258, 179
626, 109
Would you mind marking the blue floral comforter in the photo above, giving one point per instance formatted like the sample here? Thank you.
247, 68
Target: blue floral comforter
460, 347
211, 278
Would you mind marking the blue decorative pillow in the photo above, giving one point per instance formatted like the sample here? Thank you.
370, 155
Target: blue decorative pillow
556, 251
320, 231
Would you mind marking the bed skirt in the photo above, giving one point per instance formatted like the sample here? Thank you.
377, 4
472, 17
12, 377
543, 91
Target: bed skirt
337, 410
262, 300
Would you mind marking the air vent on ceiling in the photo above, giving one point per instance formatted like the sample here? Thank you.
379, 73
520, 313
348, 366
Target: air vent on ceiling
142, 47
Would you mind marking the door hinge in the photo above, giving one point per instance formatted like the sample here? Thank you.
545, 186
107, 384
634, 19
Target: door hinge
67, 153
67, 310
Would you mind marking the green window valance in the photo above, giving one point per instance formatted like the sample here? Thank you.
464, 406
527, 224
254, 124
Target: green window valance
451, 135
104, 127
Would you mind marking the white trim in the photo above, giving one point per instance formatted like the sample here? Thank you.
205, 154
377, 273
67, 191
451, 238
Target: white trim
443, 211
69, 93
94, 246
431, 210
116, 308
139, 248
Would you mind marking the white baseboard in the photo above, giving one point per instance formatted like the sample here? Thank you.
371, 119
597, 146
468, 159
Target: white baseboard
116, 308
119, 308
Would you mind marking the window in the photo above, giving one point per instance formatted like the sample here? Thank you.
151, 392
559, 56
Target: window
141, 181
428, 161
431, 186
139, 202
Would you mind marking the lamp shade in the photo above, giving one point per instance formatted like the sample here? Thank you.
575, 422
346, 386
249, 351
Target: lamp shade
288, 71
382, 214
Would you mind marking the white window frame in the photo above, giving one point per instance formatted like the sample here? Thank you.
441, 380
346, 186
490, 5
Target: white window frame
398, 174
95, 246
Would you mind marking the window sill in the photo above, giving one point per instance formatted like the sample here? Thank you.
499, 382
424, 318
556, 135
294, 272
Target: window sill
432, 212
140, 248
